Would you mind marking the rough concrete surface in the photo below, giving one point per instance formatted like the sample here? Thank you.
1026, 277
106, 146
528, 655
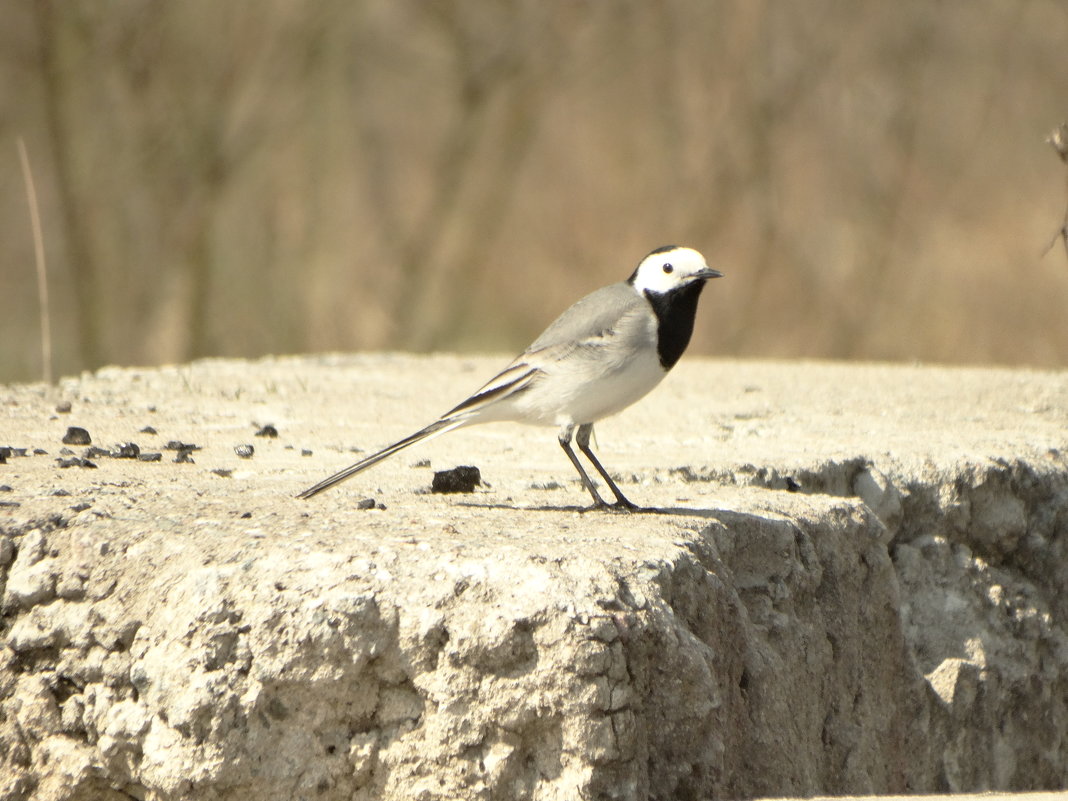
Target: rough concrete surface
856, 582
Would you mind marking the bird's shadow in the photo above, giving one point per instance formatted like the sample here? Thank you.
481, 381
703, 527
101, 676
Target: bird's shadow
592, 511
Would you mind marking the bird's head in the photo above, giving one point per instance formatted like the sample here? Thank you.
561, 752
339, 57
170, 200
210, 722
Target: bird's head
670, 268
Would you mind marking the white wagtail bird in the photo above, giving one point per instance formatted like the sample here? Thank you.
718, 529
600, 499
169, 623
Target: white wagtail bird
596, 359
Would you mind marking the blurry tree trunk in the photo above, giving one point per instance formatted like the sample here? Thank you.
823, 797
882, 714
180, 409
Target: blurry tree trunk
766, 101
857, 322
52, 40
455, 166
199, 269
214, 169
524, 103
471, 198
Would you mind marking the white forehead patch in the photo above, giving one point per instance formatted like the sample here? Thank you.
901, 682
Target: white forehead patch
665, 270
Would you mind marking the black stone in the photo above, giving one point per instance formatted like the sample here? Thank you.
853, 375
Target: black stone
77, 436
178, 445
128, 450
75, 461
460, 479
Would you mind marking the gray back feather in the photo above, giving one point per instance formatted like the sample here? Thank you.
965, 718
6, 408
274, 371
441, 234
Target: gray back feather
591, 316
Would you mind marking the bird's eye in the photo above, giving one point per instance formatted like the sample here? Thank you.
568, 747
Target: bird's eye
669, 267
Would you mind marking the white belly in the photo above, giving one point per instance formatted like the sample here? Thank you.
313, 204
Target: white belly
580, 390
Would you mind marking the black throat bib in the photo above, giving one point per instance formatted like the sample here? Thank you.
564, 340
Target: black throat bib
675, 313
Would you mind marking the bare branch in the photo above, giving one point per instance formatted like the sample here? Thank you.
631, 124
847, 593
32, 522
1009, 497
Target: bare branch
1058, 140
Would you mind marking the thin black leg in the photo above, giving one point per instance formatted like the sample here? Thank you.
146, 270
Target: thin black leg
565, 443
582, 439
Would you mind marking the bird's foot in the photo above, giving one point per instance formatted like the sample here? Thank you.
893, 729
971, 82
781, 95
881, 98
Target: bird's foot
621, 506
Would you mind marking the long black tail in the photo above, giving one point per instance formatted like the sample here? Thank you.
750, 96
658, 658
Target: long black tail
434, 429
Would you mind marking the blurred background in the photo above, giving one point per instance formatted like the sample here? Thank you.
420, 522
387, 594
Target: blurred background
275, 176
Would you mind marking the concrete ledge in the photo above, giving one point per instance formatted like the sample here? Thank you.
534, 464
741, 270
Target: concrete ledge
857, 583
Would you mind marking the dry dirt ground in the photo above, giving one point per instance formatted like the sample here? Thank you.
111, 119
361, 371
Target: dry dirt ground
855, 581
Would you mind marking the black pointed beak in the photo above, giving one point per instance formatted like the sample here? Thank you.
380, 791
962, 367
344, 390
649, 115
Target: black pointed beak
706, 273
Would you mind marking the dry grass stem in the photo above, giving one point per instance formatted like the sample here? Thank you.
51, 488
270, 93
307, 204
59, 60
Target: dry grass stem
39, 259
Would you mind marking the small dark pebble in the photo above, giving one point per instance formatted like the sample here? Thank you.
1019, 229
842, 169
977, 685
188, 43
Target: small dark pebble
40, 452
93, 452
77, 436
184, 456
460, 479
81, 507
178, 445
792, 485
128, 450
224, 472
75, 461
149, 457
244, 451
267, 431
148, 430
246, 515
5, 488
61, 493
366, 503
63, 407
11, 504
66, 452
4, 454
305, 451
421, 463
